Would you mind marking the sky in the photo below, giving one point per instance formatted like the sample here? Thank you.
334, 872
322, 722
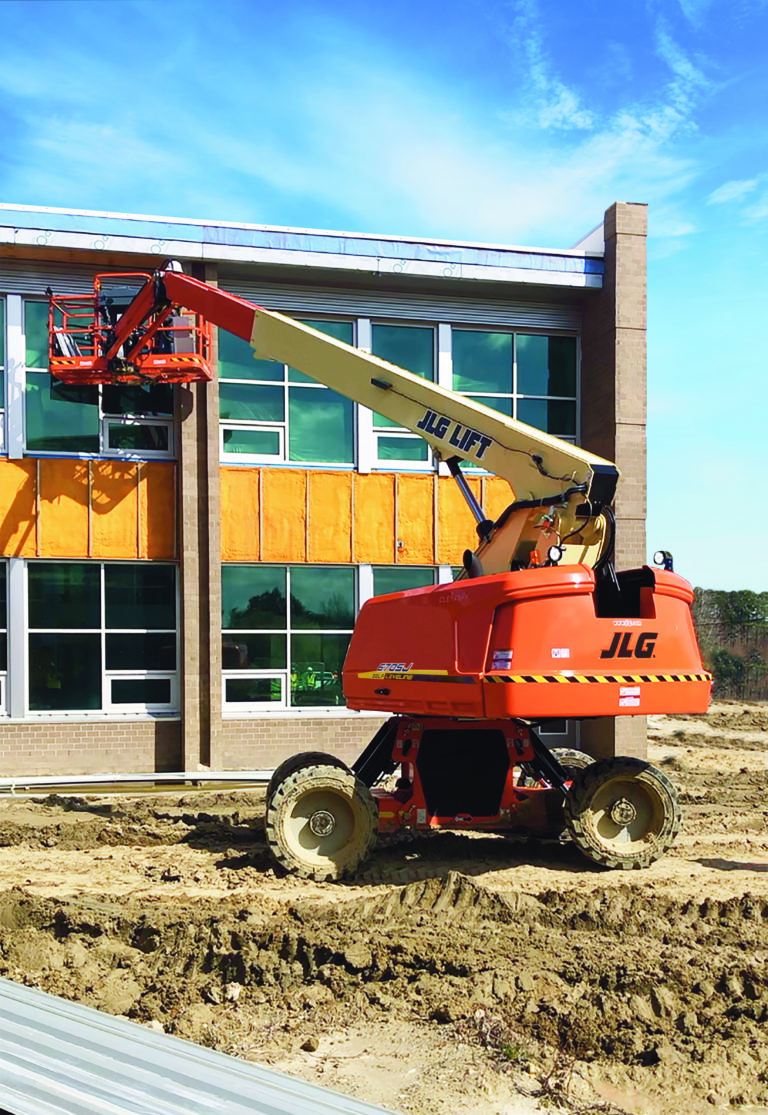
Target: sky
509, 121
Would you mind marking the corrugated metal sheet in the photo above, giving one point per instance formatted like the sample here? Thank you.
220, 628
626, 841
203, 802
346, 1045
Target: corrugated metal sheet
350, 303
18, 277
60, 1058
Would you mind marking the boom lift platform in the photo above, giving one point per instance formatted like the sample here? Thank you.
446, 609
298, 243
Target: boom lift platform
538, 625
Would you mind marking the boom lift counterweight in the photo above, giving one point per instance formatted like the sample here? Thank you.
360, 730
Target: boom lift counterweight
539, 624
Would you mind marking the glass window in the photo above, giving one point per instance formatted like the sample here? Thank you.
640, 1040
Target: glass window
140, 596
61, 418
398, 578
322, 597
253, 597
64, 672
482, 362
269, 411
285, 633
554, 416
546, 365
526, 376
64, 595
411, 347
101, 637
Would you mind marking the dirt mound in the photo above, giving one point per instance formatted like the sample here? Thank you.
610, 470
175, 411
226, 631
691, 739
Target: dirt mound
484, 966
661, 990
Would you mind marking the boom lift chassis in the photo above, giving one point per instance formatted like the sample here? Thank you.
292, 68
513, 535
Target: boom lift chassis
460, 748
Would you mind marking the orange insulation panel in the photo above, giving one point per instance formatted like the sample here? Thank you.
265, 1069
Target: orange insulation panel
284, 515
415, 520
18, 508
66, 508
329, 522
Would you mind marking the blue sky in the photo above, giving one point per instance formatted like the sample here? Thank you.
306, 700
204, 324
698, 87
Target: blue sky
514, 122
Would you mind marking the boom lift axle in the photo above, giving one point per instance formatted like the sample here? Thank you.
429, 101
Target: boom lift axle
538, 626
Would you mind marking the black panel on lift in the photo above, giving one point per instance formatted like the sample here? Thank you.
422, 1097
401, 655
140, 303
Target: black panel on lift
463, 771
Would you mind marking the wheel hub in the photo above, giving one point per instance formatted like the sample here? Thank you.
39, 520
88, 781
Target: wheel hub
322, 822
623, 812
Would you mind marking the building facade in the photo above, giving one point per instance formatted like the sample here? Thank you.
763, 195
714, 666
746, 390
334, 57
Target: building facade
182, 565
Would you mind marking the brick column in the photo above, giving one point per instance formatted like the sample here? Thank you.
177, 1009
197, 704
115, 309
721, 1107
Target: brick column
200, 577
613, 414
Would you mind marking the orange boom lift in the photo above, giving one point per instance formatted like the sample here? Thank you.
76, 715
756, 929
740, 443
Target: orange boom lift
538, 625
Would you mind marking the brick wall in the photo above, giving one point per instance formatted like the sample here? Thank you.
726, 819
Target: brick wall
613, 419
109, 747
262, 744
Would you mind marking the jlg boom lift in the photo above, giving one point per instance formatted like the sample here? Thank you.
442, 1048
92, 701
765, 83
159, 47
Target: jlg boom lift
538, 625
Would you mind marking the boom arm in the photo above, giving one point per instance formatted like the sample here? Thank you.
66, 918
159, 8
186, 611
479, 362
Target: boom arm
559, 489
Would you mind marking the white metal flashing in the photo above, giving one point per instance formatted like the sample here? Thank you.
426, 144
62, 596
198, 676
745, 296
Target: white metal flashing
61, 1058
90, 230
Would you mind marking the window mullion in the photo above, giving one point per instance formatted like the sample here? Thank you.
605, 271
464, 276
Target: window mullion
18, 652
15, 376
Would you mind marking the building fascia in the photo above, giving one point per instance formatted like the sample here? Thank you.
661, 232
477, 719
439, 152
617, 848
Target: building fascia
162, 237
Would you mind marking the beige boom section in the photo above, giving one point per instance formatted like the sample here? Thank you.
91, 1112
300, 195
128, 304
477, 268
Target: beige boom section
565, 483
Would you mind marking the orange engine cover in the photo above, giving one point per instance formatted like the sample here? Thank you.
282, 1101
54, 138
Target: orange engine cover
533, 644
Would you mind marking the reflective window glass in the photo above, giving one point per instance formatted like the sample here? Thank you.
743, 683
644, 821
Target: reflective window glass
36, 334
141, 691
64, 595
482, 361
408, 346
546, 365
147, 651
322, 597
399, 578
138, 438
321, 426
251, 402
240, 651
61, 418
253, 597
253, 690
316, 664
252, 442
140, 596
64, 672
402, 448
554, 416
138, 400
236, 360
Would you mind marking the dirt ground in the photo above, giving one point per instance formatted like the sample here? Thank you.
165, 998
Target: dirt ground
461, 974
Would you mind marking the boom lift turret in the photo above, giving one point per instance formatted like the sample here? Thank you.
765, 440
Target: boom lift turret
538, 625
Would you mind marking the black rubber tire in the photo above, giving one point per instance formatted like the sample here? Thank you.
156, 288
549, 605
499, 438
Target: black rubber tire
296, 762
321, 791
568, 757
602, 792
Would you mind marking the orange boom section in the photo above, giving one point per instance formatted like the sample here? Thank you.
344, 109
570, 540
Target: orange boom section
535, 644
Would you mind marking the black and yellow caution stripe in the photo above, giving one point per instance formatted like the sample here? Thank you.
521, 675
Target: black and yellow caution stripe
593, 679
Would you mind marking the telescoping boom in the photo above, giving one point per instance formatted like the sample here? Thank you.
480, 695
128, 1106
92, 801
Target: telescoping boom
560, 492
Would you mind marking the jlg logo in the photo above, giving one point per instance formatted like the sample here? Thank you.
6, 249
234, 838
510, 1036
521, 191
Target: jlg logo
621, 645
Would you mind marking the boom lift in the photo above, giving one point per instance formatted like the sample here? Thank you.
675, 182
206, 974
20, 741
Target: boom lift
538, 625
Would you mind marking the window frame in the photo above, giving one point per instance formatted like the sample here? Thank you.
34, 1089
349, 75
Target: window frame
105, 417
109, 707
284, 706
283, 428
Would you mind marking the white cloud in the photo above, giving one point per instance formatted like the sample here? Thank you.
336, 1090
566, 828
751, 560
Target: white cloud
732, 191
554, 104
